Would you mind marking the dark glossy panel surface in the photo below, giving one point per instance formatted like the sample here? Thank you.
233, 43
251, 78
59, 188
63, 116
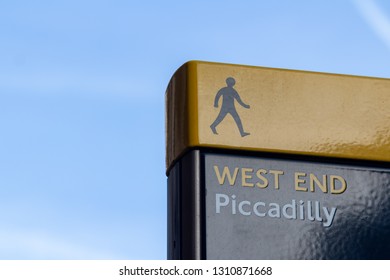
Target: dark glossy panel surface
359, 228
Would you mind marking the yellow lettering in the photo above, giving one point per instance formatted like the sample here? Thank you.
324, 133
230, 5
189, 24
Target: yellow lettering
298, 180
245, 176
226, 174
333, 180
276, 174
264, 180
315, 181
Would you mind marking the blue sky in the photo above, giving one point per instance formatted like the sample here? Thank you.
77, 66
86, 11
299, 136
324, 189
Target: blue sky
82, 83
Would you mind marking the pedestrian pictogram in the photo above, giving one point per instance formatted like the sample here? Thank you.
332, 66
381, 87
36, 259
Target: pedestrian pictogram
229, 95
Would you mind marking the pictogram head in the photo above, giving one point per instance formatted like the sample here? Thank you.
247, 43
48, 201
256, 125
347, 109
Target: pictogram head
230, 81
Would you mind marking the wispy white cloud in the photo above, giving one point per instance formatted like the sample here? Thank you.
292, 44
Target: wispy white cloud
62, 83
376, 18
15, 244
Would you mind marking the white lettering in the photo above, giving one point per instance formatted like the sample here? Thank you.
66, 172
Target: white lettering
289, 211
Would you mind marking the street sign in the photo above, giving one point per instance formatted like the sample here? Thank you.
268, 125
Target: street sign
277, 164
262, 208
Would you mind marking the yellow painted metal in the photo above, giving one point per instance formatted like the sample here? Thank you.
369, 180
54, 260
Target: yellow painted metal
295, 112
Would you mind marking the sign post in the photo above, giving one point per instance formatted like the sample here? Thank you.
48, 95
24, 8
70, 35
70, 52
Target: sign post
277, 164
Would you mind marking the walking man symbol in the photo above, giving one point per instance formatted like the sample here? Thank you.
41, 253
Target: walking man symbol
229, 94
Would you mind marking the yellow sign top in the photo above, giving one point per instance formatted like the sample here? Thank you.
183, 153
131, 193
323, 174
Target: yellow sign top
275, 110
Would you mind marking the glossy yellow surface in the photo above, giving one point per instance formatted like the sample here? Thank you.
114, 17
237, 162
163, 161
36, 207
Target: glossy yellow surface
295, 112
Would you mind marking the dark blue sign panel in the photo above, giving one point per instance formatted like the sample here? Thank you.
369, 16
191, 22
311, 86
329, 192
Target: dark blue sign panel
261, 208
